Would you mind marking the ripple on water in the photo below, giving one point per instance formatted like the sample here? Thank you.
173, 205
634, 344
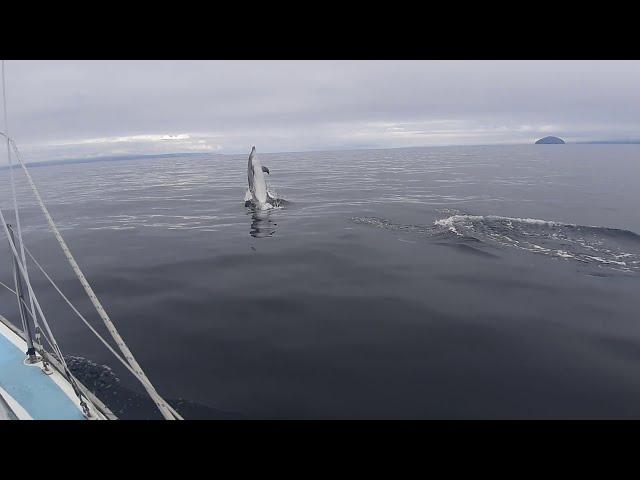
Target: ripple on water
612, 248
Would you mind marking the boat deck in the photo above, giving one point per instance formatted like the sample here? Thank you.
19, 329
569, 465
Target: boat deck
27, 390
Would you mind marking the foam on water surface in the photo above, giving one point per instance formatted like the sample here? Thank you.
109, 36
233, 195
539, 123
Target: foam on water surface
614, 248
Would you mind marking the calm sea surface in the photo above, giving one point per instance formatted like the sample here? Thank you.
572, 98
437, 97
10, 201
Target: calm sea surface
453, 282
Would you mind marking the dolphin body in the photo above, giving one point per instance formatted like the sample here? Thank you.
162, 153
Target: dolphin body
259, 196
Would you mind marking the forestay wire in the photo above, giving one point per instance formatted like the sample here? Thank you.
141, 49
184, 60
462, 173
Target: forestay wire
165, 409
86, 322
17, 218
158, 400
52, 339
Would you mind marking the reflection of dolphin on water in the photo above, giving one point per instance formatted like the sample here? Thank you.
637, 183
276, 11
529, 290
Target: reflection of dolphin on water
257, 195
261, 225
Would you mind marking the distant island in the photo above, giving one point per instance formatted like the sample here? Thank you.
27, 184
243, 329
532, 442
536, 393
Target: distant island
550, 141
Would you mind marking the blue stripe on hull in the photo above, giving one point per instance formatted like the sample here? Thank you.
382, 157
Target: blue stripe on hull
31, 388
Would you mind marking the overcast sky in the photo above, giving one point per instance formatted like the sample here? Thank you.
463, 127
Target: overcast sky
69, 109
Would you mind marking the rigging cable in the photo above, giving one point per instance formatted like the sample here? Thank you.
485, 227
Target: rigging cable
54, 343
17, 215
5, 286
86, 322
20, 262
162, 405
165, 409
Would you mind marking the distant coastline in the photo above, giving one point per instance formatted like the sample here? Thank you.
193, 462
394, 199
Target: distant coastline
111, 158
115, 158
611, 142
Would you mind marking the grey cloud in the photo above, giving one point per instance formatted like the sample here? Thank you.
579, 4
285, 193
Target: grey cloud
79, 108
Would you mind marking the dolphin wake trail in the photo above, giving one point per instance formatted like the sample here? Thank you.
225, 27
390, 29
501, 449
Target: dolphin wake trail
612, 248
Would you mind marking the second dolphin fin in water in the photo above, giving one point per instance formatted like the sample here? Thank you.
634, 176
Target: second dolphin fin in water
265, 170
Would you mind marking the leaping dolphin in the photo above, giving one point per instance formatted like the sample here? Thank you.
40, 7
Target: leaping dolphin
257, 185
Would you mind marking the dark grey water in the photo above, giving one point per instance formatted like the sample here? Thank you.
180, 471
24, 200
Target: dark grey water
466, 282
